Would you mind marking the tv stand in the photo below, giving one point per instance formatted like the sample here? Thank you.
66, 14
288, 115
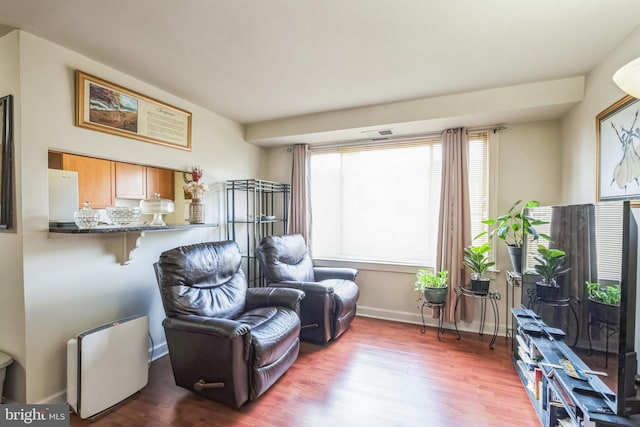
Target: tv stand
557, 396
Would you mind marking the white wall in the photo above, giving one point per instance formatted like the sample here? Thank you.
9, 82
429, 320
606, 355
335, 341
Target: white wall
72, 283
579, 124
387, 291
12, 315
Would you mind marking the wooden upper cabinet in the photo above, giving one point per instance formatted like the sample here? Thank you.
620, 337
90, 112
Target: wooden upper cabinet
160, 181
130, 181
101, 181
95, 179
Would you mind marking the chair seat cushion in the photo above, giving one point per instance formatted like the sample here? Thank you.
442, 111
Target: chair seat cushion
273, 331
346, 294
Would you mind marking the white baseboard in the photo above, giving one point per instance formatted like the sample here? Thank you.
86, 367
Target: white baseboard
416, 318
58, 397
159, 351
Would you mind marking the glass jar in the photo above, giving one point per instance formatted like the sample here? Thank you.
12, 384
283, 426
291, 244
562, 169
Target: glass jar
86, 217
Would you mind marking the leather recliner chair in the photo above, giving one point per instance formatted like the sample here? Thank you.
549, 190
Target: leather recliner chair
226, 341
331, 293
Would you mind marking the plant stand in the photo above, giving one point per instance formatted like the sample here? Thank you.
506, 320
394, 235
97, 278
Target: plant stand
606, 317
536, 303
434, 306
492, 296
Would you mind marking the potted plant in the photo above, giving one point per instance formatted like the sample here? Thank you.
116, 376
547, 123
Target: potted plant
513, 227
433, 285
550, 267
477, 259
604, 302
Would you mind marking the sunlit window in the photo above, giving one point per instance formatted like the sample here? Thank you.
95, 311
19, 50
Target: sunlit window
381, 203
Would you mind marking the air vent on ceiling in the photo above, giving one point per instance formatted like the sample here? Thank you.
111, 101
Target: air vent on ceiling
379, 134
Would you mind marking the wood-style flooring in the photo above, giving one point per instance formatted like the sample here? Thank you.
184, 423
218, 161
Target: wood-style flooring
379, 373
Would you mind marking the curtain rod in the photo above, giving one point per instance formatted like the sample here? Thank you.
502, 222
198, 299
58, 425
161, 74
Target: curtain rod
403, 138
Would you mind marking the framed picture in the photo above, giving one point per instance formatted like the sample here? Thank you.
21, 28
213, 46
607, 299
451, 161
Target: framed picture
110, 108
6, 162
618, 151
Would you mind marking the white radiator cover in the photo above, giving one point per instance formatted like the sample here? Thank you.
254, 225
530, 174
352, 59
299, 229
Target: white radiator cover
107, 364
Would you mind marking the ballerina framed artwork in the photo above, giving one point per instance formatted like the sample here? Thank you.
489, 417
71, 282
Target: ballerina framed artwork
618, 151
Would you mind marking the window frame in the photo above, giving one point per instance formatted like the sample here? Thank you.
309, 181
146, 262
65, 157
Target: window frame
492, 144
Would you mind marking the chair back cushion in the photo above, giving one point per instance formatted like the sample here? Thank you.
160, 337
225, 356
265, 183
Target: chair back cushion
204, 279
285, 258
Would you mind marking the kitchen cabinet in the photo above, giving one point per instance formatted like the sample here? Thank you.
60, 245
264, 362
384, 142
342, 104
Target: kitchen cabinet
160, 181
95, 179
101, 181
130, 181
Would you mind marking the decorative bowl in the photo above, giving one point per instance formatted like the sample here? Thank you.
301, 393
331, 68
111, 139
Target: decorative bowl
122, 215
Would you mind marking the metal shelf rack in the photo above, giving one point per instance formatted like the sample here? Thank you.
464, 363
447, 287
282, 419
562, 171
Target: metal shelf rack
255, 208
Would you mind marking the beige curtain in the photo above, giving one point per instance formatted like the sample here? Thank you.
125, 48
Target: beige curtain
454, 225
300, 204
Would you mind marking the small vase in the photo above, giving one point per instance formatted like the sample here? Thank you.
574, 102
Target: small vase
196, 211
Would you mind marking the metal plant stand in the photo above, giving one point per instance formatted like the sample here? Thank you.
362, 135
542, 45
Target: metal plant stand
440, 310
493, 297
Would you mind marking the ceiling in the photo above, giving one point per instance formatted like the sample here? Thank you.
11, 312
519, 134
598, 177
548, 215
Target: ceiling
264, 60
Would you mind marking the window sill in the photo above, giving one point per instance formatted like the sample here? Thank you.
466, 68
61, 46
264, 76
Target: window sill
390, 267
368, 265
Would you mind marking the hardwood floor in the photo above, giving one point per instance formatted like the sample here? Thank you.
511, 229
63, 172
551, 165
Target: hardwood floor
379, 373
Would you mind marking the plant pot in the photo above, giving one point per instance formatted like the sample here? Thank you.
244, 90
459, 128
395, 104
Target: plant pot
515, 253
480, 286
547, 292
435, 295
604, 313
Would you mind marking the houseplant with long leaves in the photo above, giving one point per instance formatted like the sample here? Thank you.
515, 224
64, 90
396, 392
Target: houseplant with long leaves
513, 227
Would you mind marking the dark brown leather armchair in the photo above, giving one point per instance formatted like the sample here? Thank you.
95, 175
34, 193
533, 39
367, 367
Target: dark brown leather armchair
226, 341
331, 293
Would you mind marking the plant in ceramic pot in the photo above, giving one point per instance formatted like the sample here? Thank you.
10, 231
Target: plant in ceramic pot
477, 259
432, 285
513, 227
550, 267
604, 302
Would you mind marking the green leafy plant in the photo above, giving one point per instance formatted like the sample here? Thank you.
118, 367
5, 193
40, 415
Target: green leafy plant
606, 294
430, 279
550, 264
513, 226
477, 259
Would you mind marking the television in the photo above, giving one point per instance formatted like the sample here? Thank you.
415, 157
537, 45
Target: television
601, 245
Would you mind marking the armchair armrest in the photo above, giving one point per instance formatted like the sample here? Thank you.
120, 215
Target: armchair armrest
206, 325
323, 273
274, 297
309, 288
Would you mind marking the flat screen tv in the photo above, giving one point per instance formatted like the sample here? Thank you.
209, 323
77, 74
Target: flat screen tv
601, 245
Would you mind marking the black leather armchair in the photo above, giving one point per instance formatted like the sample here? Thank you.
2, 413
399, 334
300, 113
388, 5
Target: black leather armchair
226, 341
331, 293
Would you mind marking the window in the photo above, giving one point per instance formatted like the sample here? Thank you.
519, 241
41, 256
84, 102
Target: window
381, 203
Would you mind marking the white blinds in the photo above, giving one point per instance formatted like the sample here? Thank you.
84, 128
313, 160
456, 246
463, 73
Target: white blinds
381, 203
609, 224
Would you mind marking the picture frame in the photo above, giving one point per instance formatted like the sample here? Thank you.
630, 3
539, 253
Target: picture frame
110, 108
6, 163
618, 151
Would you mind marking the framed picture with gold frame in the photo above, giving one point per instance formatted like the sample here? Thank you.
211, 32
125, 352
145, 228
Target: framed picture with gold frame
107, 107
618, 151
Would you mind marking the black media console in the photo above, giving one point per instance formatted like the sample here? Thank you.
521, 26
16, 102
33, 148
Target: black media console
548, 369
